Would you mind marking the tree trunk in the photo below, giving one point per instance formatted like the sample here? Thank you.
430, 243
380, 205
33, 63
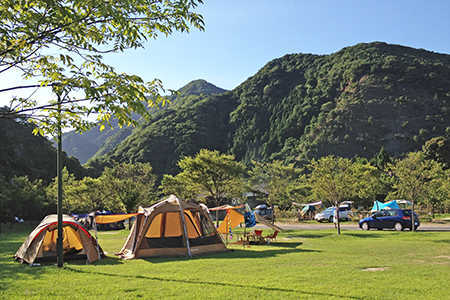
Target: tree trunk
217, 215
59, 242
273, 214
337, 219
412, 217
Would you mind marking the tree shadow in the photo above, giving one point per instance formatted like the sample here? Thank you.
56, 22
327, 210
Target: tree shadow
237, 253
364, 235
442, 241
213, 283
309, 235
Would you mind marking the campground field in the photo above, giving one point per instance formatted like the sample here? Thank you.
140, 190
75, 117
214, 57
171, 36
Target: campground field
298, 265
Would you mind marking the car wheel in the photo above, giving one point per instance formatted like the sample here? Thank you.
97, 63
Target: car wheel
398, 226
365, 226
330, 219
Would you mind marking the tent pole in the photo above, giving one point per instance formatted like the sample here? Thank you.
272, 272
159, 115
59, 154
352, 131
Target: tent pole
183, 222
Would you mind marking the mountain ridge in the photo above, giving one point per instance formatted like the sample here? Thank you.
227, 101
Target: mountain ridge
303, 106
95, 143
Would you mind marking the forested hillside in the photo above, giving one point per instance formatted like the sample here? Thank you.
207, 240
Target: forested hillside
304, 106
24, 154
96, 143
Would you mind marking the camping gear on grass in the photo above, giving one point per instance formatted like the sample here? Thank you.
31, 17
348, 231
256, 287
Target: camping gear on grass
41, 243
172, 228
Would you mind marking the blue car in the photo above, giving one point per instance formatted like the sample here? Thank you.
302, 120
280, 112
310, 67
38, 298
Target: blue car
397, 219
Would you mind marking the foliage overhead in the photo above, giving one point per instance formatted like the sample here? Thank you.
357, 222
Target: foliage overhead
81, 32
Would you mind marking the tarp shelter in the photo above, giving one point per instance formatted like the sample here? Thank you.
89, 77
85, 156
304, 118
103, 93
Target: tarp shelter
388, 205
41, 243
113, 218
172, 228
232, 219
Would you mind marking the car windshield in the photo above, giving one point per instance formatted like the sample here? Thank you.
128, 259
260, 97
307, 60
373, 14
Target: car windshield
329, 209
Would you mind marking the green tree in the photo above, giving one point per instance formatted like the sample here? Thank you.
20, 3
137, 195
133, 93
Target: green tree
87, 195
23, 198
381, 159
369, 183
59, 45
279, 181
415, 176
214, 175
176, 185
131, 184
438, 148
336, 179
438, 190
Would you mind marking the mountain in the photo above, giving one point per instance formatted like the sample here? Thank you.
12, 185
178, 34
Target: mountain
23, 153
200, 87
94, 142
303, 106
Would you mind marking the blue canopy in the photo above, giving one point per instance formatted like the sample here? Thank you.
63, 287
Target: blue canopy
377, 205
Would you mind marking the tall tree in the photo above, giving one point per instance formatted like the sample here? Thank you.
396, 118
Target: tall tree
438, 148
337, 179
414, 176
279, 181
130, 184
214, 175
80, 31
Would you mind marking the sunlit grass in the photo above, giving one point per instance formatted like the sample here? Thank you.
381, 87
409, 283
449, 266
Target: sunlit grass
299, 265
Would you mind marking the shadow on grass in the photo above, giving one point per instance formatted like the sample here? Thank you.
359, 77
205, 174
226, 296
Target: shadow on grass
442, 241
309, 235
214, 283
239, 253
364, 235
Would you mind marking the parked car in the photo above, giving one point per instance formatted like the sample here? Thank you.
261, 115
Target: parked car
328, 214
397, 219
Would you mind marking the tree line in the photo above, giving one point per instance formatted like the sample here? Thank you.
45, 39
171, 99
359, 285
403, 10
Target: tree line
216, 178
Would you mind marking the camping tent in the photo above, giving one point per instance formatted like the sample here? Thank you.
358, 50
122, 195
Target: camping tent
172, 228
41, 243
388, 205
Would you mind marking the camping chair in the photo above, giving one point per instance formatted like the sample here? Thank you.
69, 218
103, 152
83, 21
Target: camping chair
271, 237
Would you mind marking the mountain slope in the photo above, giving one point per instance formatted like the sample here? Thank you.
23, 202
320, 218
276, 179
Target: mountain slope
304, 106
94, 142
23, 153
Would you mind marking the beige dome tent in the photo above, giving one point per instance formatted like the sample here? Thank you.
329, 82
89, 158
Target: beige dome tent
172, 228
41, 243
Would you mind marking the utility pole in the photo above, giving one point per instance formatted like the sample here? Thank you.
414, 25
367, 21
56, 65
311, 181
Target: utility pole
59, 243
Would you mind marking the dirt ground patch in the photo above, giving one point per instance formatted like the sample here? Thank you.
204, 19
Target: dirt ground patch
376, 269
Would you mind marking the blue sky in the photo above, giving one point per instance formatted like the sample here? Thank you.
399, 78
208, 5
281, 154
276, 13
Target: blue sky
241, 36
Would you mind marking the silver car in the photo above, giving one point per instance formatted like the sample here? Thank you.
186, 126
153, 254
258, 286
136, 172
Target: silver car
328, 214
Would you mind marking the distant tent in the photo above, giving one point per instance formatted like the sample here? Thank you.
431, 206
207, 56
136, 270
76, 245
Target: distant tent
41, 243
388, 205
172, 228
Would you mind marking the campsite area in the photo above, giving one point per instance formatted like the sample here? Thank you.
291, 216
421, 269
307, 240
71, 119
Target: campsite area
314, 264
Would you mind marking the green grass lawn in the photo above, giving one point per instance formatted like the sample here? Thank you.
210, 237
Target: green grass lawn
299, 265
